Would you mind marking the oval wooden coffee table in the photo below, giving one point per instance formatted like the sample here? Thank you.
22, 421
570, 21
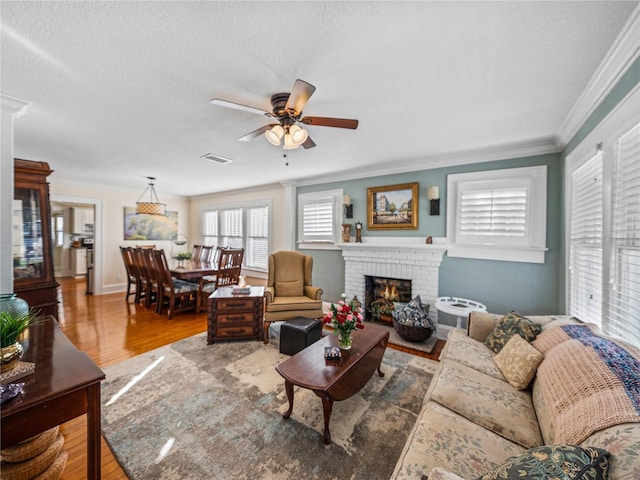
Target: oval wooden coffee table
335, 380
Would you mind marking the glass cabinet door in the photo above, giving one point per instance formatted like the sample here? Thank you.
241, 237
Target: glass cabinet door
27, 235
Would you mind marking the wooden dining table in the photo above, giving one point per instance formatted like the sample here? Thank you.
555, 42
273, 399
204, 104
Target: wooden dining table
194, 270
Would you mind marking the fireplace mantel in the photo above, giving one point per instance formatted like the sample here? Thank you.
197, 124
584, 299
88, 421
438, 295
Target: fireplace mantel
407, 258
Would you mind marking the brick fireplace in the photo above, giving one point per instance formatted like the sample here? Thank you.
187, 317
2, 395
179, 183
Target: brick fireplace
393, 257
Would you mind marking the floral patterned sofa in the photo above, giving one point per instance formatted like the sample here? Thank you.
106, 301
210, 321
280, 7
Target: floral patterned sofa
562, 401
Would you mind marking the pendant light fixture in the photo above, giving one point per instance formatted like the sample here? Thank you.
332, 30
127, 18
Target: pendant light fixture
153, 206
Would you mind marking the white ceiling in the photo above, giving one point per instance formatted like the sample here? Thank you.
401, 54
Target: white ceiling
121, 90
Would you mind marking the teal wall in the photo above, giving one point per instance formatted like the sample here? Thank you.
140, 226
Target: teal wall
502, 286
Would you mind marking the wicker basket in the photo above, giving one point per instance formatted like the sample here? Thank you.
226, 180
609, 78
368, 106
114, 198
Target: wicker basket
411, 333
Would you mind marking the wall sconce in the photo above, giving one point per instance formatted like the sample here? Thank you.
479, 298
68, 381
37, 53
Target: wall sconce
433, 195
348, 207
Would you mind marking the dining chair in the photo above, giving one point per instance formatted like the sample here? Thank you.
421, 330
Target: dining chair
178, 295
133, 279
153, 279
228, 273
143, 296
206, 253
195, 252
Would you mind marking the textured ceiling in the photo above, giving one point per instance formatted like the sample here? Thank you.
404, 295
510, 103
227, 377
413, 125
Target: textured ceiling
121, 90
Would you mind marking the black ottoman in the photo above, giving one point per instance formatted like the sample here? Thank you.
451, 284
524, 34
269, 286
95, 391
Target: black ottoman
298, 333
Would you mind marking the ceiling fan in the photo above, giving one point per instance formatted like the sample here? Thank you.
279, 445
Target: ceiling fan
287, 110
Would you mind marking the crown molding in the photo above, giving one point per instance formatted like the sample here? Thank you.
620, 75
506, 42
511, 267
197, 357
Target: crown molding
509, 151
14, 105
616, 62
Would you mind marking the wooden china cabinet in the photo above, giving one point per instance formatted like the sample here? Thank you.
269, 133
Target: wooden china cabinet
31, 248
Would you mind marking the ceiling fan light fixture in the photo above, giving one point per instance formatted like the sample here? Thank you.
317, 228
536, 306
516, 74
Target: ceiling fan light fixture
298, 134
275, 134
289, 143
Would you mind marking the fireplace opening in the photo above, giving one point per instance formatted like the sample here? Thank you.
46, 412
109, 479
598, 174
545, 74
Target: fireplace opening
380, 293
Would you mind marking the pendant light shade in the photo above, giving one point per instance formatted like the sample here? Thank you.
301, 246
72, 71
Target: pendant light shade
153, 206
298, 135
288, 142
275, 134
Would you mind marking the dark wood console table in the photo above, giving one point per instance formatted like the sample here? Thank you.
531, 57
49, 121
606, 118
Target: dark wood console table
65, 385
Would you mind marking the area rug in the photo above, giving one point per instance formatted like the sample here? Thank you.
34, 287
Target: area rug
195, 411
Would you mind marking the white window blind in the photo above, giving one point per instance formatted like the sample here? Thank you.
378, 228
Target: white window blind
210, 228
624, 301
246, 225
317, 217
493, 212
231, 228
257, 250
586, 241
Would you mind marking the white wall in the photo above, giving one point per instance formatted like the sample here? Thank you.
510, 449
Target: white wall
109, 229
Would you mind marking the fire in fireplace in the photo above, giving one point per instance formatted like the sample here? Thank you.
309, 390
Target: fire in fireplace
380, 293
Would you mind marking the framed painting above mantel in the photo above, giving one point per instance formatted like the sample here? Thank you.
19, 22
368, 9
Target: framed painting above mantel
393, 207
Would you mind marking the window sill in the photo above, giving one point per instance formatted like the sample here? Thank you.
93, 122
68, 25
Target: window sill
317, 246
251, 272
498, 252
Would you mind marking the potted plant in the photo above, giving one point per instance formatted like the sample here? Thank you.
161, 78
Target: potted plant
12, 324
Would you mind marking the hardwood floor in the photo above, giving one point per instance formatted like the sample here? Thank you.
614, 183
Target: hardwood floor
110, 330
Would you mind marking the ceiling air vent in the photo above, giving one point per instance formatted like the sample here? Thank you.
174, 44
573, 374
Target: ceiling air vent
216, 158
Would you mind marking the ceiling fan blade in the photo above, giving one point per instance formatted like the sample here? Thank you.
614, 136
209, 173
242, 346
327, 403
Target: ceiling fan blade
308, 143
299, 96
330, 122
238, 106
256, 133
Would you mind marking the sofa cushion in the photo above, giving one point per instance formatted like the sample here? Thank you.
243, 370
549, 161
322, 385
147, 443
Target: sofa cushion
280, 304
511, 324
623, 442
442, 438
567, 462
518, 362
441, 474
293, 288
487, 401
470, 352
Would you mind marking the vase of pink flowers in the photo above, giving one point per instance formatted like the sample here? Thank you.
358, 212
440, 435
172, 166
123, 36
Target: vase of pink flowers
344, 318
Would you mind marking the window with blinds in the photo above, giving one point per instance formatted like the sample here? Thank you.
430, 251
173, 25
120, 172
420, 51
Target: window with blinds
244, 226
317, 216
257, 241
624, 296
493, 212
586, 241
498, 214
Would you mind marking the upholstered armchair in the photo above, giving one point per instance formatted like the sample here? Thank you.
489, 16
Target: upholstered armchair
289, 293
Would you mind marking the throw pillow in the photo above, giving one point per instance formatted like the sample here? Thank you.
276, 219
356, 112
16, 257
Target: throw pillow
518, 362
568, 462
414, 314
289, 289
511, 324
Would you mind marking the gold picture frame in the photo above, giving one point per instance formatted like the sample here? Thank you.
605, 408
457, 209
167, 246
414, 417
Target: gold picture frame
393, 207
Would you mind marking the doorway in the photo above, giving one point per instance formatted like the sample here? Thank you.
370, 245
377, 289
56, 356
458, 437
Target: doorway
77, 246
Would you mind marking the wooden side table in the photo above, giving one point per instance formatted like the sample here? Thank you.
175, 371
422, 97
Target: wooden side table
231, 317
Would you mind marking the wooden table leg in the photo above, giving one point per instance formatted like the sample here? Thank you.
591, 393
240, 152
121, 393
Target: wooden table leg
327, 407
94, 456
288, 386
